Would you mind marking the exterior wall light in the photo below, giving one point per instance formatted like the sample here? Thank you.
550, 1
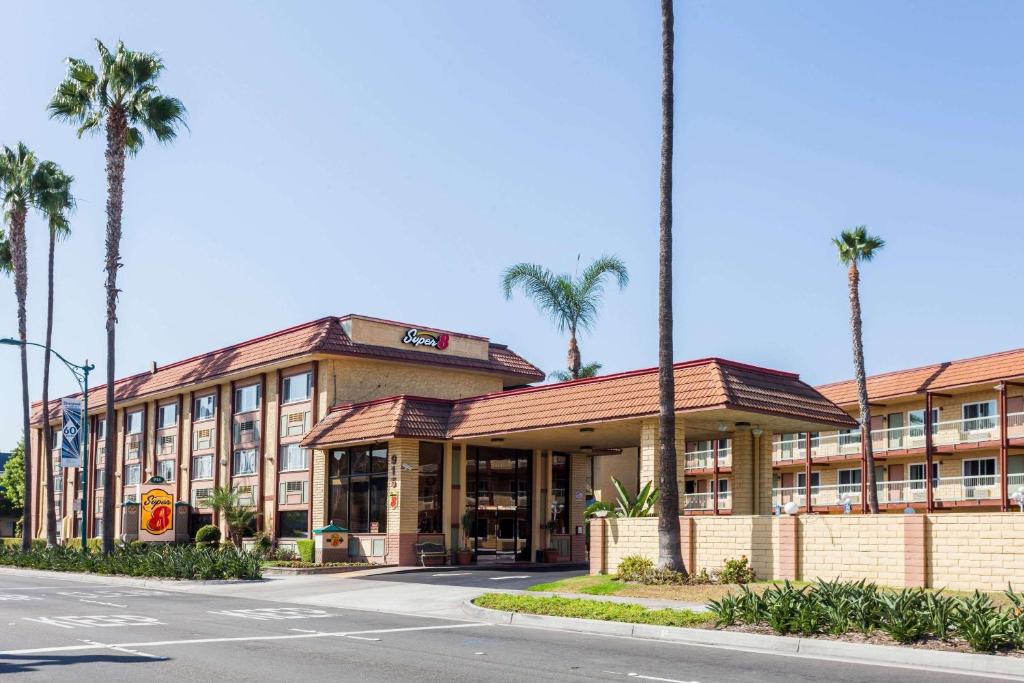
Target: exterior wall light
757, 431
791, 508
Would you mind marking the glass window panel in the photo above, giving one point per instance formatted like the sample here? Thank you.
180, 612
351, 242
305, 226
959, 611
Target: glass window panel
379, 503
297, 387
244, 462
247, 398
360, 461
293, 523
205, 407
430, 487
359, 510
134, 422
165, 469
339, 463
168, 416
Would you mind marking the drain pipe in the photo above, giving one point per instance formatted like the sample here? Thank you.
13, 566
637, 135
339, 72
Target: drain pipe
755, 459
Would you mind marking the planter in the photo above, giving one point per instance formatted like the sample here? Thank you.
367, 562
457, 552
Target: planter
551, 555
464, 557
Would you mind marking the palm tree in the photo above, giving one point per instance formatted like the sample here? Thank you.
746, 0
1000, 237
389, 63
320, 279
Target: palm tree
239, 518
5, 255
56, 202
571, 301
587, 370
122, 99
856, 246
669, 550
19, 182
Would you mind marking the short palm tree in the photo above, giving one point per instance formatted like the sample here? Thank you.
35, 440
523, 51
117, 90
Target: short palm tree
122, 99
239, 518
669, 543
20, 181
571, 301
856, 246
587, 370
56, 202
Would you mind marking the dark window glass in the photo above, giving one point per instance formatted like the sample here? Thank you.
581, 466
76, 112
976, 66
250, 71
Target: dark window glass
339, 463
560, 493
379, 504
360, 461
292, 523
431, 489
359, 507
358, 499
379, 457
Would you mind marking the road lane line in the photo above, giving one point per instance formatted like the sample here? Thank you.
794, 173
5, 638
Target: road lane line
655, 678
453, 574
363, 638
243, 639
126, 650
506, 578
100, 602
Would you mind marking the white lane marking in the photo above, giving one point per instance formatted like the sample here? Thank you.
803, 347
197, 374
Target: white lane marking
363, 638
100, 602
110, 594
303, 630
267, 613
242, 639
96, 620
655, 678
452, 574
126, 650
9, 596
506, 578
32, 588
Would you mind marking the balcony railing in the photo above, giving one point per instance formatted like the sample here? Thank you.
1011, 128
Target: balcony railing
945, 489
944, 433
706, 501
697, 460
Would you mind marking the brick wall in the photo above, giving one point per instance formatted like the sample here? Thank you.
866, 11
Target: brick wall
951, 550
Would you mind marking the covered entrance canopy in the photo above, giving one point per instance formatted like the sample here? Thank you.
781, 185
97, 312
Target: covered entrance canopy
735, 407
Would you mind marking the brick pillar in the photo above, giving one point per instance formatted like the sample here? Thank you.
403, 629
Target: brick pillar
598, 556
403, 483
787, 549
648, 451
687, 547
763, 495
915, 551
743, 472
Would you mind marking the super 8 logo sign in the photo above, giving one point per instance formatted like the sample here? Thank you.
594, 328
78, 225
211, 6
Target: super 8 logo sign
156, 518
435, 340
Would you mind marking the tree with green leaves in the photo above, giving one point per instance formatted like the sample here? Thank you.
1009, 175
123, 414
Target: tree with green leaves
587, 370
239, 518
122, 99
5, 255
626, 505
856, 246
571, 301
56, 202
12, 481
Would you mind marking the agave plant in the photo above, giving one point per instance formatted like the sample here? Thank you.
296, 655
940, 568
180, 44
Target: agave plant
625, 505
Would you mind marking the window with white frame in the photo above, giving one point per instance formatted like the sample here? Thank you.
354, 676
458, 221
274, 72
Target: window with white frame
132, 474
297, 388
801, 481
723, 487
979, 471
203, 438
165, 469
915, 474
246, 431
167, 416
99, 477
244, 462
247, 398
915, 419
849, 481
205, 408
294, 424
101, 429
202, 467
133, 422
293, 458
979, 415
165, 444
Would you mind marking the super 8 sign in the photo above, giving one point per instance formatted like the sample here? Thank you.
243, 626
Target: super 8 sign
156, 514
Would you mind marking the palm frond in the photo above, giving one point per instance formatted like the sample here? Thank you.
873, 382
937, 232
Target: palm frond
52, 195
856, 245
6, 265
548, 291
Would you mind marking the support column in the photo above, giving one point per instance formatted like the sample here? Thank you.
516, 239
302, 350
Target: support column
915, 551
687, 548
763, 495
402, 502
714, 474
650, 467
787, 556
1004, 449
742, 472
598, 546
578, 468
928, 486
808, 504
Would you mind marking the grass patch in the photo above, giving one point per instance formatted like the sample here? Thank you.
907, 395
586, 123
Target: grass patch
299, 564
599, 584
593, 609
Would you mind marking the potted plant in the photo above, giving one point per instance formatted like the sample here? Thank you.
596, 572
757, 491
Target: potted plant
550, 552
464, 555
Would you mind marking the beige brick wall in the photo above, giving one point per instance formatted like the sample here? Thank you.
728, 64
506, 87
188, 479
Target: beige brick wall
353, 380
963, 551
649, 454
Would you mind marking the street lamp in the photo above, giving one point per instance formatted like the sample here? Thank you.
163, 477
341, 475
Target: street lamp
81, 375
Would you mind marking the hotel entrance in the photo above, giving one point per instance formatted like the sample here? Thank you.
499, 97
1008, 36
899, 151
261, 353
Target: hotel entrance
498, 484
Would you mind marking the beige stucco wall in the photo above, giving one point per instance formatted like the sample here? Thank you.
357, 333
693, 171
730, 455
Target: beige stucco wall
351, 380
961, 551
623, 467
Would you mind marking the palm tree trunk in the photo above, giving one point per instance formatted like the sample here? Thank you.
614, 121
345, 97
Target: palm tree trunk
669, 553
862, 386
573, 358
116, 129
19, 263
51, 513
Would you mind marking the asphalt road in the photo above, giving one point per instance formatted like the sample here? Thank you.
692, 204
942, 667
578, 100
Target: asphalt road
513, 578
69, 630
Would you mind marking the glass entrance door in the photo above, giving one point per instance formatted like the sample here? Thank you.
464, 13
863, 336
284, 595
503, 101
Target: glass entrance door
498, 483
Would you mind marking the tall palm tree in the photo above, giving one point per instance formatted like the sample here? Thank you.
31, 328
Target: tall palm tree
5, 255
19, 184
56, 202
587, 370
571, 301
123, 100
669, 550
856, 246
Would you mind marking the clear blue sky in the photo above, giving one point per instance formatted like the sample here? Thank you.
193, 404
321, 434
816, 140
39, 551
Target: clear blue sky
390, 158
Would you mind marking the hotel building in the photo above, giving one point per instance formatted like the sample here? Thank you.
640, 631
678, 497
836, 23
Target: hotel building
403, 434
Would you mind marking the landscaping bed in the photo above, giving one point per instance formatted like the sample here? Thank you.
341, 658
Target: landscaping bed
301, 567
141, 560
580, 608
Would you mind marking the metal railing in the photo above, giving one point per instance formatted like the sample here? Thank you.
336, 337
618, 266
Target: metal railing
705, 501
705, 459
944, 489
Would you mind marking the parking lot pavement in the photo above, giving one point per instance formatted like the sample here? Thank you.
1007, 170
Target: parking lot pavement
513, 578
71, 630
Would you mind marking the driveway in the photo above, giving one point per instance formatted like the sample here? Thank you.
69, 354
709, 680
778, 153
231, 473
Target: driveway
493, 577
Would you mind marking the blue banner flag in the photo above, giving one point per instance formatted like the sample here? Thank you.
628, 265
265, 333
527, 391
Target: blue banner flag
70, 447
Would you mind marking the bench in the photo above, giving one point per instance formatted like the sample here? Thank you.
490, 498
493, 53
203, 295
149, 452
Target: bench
425, 550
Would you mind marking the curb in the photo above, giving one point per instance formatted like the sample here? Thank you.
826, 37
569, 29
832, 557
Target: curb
857, 653
156, 583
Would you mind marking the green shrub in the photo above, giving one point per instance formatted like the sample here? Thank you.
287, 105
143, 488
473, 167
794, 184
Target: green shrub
208, 535
725, 610
942, 614
737, 571
664, 577
263, 543
171, 561
634, 568
905, 615
306, 550
592, 609
984, 626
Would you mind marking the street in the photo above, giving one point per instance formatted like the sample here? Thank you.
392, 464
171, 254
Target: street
69, 629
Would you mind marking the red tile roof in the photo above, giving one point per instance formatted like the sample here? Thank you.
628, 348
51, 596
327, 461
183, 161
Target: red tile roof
397, 416
951, 374
700, 385
323, 336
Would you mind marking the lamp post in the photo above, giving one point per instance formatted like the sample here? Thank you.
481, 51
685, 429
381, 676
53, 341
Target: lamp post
81, 375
